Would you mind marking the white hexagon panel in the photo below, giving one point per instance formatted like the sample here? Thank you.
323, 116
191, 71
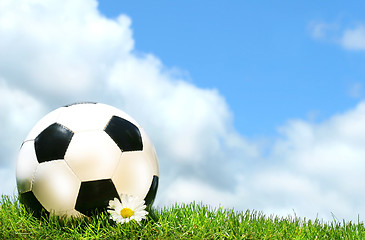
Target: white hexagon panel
92, 155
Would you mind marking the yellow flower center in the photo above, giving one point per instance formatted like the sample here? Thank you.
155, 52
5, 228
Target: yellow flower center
126, 212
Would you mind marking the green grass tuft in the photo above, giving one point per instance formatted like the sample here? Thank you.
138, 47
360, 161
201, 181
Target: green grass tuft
183, 221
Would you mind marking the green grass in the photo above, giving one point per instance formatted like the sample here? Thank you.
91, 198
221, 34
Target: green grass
185, 221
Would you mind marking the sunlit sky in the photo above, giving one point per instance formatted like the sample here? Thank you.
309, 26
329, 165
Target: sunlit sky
250, 105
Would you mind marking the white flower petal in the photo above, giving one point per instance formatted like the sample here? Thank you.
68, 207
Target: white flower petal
134, 203
140, 208
114, 203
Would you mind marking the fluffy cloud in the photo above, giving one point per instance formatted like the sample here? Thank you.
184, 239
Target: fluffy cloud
351, 39
354, 39
60, 50
324, 164
55, 53
192, 126
312, 170
18, 112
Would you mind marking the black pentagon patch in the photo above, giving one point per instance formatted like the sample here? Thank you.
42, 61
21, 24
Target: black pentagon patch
125, 134
94, 196
32, 204
52, 143
150, 197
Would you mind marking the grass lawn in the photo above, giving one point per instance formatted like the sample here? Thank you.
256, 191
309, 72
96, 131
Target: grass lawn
185, 221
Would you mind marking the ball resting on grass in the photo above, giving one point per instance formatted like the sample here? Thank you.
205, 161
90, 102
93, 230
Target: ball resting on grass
80, 156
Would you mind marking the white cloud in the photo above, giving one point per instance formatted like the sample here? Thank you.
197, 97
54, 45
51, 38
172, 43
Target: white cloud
55, 53
329, 158
60, 45
19, 111
186, 190
59, 55
350, 38
312, 170
7, 179
354, 39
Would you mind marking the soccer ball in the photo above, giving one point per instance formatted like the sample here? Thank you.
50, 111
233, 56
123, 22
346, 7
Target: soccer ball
80, 156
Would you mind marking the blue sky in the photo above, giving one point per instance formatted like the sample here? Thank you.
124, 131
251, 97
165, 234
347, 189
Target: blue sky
250, 105
262, 57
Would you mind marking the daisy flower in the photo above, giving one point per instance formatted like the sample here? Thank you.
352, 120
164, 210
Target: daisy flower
131, 208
